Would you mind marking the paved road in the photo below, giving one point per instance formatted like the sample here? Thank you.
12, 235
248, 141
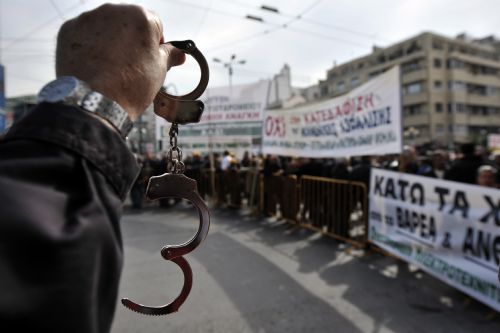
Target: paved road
266, 276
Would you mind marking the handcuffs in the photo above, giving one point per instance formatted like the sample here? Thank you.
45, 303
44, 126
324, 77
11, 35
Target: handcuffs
174, 184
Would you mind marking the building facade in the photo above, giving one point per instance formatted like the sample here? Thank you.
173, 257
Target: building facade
450, 86
17, 107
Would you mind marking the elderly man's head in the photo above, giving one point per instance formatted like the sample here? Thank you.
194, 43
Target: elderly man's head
487, 176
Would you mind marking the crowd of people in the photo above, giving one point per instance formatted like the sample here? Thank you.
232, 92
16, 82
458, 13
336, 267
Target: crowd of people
469, 164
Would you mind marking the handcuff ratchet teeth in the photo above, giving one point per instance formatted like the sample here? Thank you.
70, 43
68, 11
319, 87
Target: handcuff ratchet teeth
174, 184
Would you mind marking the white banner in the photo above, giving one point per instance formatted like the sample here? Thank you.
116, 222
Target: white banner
366, 121
232, 120
493, 141
448, 229
238, 103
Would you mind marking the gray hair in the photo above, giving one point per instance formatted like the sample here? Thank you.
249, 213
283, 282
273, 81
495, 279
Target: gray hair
484, 168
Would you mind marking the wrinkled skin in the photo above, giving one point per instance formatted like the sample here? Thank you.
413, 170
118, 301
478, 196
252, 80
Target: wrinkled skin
119, 51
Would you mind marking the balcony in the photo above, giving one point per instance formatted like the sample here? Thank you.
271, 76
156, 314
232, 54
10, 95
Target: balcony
468, 77
418, 75
420, 98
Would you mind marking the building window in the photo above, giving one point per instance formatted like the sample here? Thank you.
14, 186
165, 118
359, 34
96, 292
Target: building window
437, 45
460, 129
413, 88
354, 81
324, 91
439, 129
456, 86
411, 66
340, 86
477, 89
439, 107
396, 54
437, 63
438, 85
450, 107
414, 47
332, 75
493, 111
482, 70
459, 107
454, 63
413, 110
491, 90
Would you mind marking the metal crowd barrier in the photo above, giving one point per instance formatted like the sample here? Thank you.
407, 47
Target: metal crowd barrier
337, 208
290, 198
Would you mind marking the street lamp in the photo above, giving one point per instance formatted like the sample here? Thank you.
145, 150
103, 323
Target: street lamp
229, 65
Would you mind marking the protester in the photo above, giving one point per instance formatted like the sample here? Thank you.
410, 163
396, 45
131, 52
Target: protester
64, 173
496, 163
408, 162
487, 176
226, 160
245, 161
341, 169
310, 167
440, 163
464, 169
361, 172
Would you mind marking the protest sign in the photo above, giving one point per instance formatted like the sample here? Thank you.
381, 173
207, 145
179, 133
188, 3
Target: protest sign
245, 102
494, 141
232, 120
366, 121
448, 229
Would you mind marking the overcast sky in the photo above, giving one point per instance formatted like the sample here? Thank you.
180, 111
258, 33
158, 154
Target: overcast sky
328, 31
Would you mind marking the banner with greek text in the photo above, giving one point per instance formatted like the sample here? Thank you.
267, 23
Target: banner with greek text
232, 121
366, 121
244, 102
494, 141
448, 229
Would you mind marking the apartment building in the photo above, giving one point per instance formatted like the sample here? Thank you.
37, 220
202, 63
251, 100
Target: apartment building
450, 86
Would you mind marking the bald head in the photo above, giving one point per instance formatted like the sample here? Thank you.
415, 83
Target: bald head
118, 50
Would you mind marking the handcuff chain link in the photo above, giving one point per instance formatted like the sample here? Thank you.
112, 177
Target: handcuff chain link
175, 165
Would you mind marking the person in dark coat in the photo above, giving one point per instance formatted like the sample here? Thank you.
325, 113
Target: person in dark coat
464, 169
361, 172
341, 169
65, 171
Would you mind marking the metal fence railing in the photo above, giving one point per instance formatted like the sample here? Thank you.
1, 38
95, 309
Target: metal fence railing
337, 208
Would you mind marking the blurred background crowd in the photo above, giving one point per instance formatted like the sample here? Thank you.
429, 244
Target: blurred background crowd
469, 164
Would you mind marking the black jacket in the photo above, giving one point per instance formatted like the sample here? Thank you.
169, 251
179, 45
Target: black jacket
464, 170
63, 177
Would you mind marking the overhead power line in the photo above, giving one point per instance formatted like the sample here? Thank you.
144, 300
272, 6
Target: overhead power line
274, 26
287, 25
202, 21
268, 31
304, 19
58, 10
205, 8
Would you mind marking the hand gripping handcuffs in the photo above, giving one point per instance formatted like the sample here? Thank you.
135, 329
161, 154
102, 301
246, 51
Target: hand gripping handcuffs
174, 184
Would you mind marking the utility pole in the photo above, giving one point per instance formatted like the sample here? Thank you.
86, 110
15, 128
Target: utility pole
229, 65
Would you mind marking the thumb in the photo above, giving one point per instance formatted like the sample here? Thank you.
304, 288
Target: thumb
175, 56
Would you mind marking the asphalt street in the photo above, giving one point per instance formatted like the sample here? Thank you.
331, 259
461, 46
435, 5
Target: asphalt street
262, 275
